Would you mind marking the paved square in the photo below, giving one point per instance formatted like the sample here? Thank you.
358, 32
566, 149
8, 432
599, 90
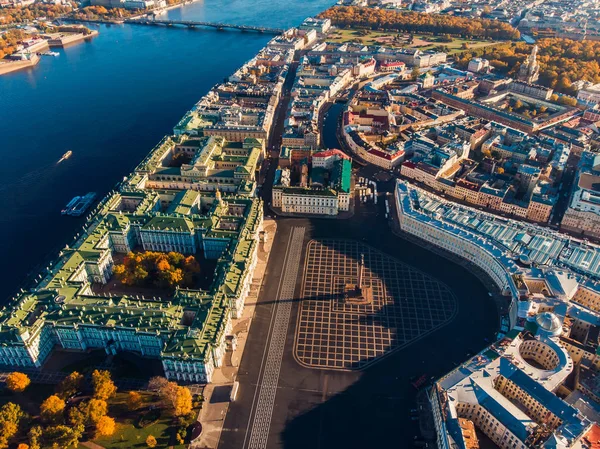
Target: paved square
335, 334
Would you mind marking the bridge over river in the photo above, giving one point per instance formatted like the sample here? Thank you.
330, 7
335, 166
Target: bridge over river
194, 24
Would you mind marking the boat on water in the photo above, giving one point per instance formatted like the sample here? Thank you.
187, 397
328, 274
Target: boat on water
51, 53
65, 156
79, 204
69, 205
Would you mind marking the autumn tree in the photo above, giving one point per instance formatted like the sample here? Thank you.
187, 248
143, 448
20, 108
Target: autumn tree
134, 400
70, 385
21, 14
157, 383
176, 398
563, 84
23, 446
8, 430
562, 61
105, 427
17, 382
184, 402
175, 258
104, 387
35, 437
168, 395
411, 22
95, 410
78, 415
567, 101
61, 436
163, 270
151, 441
11, 416
52, 409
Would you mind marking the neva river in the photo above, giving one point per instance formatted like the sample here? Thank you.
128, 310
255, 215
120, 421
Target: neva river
109, 101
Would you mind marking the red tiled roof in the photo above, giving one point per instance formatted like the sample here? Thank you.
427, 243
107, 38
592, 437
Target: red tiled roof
384, 155
593, 437
332, 152
392, 64
468, 185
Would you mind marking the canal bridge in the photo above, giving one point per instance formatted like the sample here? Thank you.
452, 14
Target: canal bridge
195, 23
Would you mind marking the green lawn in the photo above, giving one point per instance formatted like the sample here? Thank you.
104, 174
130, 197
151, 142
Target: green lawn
29, 401
361, 36
390, 39
128, 435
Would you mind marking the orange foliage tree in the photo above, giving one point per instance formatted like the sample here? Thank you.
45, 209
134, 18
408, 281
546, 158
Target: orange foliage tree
52, 409
105, 426
159, 269
562, 61
17, 382
104, 387
408, 21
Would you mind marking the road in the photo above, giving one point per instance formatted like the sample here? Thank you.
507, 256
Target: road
281, 404
298, 407
267, 174
564, 192
264, 399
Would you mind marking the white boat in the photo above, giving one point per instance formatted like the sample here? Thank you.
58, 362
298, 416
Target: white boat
65, 156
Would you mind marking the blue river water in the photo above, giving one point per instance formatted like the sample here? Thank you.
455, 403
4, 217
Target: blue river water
109, 101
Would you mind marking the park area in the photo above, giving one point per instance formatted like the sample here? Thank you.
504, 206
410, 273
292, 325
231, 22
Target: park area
422, 42
88, 411
133, 428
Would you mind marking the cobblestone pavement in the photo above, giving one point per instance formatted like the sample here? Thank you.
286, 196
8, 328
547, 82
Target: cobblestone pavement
265, 399
333, 333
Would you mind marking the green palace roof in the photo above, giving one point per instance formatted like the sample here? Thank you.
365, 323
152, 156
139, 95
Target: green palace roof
63, 296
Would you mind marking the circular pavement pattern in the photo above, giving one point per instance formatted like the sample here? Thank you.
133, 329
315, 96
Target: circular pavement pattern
332, 333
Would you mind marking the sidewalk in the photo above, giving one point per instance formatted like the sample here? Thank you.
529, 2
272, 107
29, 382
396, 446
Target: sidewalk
344, 215
212, 415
